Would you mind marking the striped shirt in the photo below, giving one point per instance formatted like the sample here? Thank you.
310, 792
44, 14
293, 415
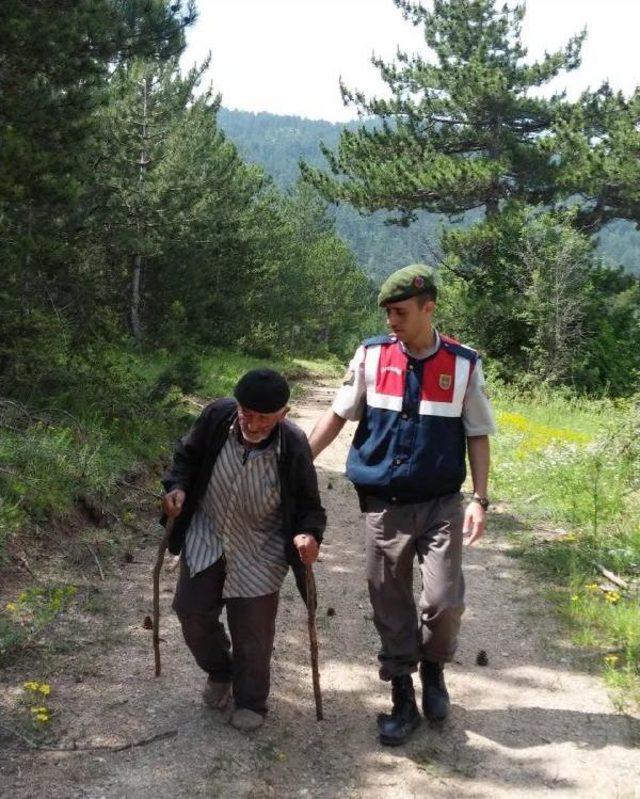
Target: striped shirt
239, 517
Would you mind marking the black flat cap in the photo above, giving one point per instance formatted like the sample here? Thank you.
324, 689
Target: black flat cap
262, 390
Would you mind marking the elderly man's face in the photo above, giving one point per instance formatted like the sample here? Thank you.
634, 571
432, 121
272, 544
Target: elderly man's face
255, 426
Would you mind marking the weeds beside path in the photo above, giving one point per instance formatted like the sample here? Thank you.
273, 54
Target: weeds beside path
532, 722
570, 469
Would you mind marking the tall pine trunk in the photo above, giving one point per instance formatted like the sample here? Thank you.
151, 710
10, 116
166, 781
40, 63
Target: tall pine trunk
136, 277
134, 310
25, 288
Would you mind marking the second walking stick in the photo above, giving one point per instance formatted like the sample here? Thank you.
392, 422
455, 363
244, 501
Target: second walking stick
313, 638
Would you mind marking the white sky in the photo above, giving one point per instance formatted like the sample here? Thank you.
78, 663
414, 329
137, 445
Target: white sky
285, 56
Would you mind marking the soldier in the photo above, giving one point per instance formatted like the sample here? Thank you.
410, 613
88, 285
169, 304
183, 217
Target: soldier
419, 398
244, 493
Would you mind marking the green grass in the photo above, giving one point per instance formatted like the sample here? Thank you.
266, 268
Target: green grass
570, 467
221, 369
119, 412
23, 620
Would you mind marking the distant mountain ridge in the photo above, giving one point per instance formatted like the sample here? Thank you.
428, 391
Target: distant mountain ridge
277, 143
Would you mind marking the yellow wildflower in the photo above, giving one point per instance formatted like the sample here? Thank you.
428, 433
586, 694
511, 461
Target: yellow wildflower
31, 685
612, 597
575, 598
592, 588
611, 660
11, 607
42, 717
44, 689
536, 437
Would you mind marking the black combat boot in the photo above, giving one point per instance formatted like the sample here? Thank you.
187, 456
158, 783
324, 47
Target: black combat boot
435, 697
396, 727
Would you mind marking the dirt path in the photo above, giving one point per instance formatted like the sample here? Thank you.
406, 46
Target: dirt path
528, 724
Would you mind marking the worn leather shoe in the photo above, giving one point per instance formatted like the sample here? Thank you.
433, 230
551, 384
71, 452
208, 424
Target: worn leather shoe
396, 727
435, 697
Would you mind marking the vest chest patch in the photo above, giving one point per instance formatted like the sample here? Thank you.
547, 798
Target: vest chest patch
392, 365
439, 377
444, 382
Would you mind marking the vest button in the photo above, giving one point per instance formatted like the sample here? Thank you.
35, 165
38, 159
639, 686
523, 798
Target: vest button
404, 416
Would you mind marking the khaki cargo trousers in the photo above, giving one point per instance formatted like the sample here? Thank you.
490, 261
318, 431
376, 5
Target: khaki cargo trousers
395, 535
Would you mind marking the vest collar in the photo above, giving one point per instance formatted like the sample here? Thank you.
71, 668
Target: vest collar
428, 353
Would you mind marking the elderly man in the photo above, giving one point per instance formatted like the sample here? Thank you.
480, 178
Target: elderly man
243, 491
419, 398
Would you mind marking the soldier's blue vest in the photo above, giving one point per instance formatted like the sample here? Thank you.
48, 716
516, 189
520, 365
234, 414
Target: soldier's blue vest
410, 443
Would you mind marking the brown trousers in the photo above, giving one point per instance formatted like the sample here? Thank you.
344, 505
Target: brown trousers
198, 603
395, 535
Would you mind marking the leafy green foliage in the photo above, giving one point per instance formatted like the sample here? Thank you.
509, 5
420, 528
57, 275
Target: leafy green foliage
528, 290
56, 63
24, 619
573, 462
458, 134
278, 143
597, 144
468, 130
572, 468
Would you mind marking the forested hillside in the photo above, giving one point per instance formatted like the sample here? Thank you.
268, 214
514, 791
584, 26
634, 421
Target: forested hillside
124, 209
279, 142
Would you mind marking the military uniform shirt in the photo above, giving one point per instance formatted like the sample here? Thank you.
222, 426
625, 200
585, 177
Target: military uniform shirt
477, 414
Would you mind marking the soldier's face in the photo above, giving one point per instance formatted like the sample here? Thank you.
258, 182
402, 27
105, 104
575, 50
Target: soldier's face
409, 319
255, 426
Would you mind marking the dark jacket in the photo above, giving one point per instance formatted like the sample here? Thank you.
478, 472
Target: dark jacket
193, 462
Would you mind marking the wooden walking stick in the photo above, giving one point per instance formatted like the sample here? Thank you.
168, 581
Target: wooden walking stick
162, 547
313, 638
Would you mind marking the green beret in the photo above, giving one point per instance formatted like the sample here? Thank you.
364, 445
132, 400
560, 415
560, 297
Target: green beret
410, 281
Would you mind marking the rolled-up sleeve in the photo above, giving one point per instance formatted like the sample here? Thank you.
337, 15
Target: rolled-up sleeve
350, 400
477, 414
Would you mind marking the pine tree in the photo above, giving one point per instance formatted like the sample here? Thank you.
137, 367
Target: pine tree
147, 100
598, 144
207, 201
459, 133
56, 60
